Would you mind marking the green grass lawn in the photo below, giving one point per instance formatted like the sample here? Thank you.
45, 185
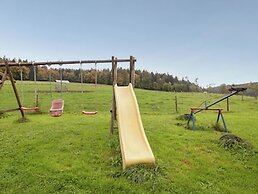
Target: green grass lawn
76, 153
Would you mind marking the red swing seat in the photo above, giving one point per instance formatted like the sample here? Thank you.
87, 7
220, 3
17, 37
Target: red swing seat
57, 108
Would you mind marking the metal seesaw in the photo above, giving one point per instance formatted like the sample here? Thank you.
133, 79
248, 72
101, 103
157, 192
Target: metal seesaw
195, 110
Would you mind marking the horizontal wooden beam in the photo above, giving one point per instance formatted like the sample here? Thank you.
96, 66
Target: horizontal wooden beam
11, 64
9, 110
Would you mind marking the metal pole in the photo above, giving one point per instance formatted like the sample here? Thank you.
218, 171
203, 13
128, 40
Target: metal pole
61, 80
22, 91
81, 77
225, 97
35, 83
224, 123
96, 75
113, 110
96, 82
50, 82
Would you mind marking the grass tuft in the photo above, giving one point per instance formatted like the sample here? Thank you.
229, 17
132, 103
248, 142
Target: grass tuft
22, 120
3, 115
236, 144
151, 177
139, 174
183, 117
218, 127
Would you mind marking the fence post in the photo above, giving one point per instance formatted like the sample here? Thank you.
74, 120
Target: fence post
176, 104
227, 104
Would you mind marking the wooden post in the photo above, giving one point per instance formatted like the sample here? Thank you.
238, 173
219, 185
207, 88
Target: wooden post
227, 104
9, 110
114, 79
115, 82
3, 79
176, 104
14, 88
37, 101
132, 70
22, 91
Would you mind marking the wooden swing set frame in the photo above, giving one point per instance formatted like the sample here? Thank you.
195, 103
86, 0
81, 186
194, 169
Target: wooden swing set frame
7, 73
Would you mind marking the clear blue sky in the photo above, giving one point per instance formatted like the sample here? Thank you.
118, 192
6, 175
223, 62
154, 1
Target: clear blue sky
215, 41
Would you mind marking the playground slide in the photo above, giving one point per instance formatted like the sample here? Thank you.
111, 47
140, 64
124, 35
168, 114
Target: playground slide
134, 145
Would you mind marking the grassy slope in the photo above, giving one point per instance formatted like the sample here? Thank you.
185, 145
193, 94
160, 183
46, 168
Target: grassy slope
76, 154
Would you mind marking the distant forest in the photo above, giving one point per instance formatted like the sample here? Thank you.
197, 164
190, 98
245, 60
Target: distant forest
252, 89
143, 78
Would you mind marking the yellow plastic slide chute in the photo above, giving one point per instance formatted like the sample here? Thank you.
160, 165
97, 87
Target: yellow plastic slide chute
134, 145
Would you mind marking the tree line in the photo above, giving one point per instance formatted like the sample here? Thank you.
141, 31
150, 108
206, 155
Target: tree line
252, 89
143, 78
